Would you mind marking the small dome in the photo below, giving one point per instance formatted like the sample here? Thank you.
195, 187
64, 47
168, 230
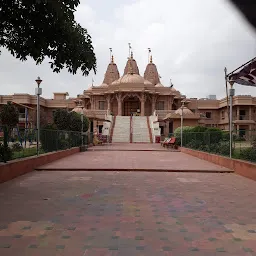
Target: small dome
159, 85
186, 111
79, 110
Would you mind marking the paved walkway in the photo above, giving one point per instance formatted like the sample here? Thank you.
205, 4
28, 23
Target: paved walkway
123, 157
114, 213
131, 147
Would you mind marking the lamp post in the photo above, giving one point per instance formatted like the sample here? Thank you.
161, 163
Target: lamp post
231, 95
181, 125
38, 92
82, 129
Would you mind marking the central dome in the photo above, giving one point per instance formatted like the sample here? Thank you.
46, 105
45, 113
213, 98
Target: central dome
132, 79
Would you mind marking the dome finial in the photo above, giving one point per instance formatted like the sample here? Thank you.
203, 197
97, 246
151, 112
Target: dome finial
132, 55
111, 50
151, 59
149, 52
112, 59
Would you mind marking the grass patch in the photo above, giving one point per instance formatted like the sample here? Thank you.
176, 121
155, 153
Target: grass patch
25, 152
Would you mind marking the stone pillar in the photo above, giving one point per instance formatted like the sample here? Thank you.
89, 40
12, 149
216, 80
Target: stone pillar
237, 113
250, 133
250, 113
142, 105
109, 104
153, 103
119, 103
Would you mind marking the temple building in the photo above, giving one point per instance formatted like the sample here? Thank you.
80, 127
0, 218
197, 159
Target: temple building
141, 104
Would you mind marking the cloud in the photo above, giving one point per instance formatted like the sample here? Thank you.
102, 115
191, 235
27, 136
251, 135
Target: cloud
191, 42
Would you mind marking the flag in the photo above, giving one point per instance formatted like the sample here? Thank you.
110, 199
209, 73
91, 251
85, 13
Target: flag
246, 75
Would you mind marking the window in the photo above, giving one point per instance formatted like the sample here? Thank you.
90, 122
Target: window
160, 105
22, 113
101, 105
161, 130
208, 115
222, 114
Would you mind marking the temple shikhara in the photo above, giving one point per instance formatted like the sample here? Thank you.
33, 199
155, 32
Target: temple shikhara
136, 107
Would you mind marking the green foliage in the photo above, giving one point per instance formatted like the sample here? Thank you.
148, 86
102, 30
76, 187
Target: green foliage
9, 115
46, 29
49, 138
5, 153
70, 121
248, 154
254, 143
61, 119
16, 147
215, 135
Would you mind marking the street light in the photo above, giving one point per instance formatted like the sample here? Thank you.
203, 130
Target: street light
181, 124
82, 129
231, 95
38, 91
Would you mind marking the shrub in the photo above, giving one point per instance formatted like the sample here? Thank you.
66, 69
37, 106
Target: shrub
16, 147
225, 136
49, 138
254, 143
215, 135
5, 153
224, 149
248, 154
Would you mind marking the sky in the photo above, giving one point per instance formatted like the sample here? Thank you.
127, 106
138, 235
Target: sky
191, 41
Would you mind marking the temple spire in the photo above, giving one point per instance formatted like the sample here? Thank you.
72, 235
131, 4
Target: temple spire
151, 73
112, 59
130, 71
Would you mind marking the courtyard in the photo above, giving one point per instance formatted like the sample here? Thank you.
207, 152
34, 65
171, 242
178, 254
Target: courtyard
188, 209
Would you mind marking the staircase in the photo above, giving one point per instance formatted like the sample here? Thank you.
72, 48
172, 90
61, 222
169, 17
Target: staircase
140, 129
121, 132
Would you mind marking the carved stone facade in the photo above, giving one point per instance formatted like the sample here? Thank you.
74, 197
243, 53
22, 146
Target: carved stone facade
131, 93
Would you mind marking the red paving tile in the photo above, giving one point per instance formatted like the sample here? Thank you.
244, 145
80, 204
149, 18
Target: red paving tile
130, 160
127, 213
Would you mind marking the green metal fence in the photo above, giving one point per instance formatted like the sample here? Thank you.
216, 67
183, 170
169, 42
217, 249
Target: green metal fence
20, 143
218, 142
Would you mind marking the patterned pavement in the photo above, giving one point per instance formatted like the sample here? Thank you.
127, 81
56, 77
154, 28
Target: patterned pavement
127, 213
129, 160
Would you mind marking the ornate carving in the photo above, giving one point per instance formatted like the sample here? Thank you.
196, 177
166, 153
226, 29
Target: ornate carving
130, 94
119, 96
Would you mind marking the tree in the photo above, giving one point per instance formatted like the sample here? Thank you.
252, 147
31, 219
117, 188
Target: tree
46, 28
61, 119
70, 121
9, 115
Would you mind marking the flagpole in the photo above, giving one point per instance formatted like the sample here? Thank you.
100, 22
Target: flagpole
228, 109
149, 51
110, 49
129, 49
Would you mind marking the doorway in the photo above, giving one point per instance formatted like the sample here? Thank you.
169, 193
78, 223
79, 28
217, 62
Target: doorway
131, 106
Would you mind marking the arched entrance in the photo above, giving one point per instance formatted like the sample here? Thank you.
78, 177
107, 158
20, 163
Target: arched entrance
131, 105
